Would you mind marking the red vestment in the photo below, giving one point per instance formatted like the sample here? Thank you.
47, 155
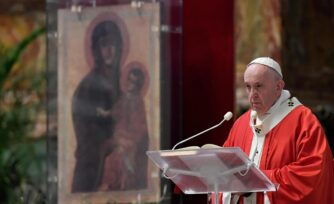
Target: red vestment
296, 155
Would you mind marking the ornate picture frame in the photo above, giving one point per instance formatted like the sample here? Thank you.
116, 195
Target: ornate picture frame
108, 103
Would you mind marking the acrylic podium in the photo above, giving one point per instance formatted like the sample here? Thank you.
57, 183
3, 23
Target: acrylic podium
202, 171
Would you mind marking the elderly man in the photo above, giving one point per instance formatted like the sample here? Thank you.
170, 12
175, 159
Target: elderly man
284, 138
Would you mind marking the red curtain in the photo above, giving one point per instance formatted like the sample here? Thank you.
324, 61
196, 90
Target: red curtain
208, 70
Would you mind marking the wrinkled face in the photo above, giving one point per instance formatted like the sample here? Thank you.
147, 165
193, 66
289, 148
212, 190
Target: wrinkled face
263, 87
107, 49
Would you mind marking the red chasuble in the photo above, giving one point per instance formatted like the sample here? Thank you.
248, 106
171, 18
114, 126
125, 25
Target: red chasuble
296, 155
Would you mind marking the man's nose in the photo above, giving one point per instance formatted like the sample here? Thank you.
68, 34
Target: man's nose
252, 92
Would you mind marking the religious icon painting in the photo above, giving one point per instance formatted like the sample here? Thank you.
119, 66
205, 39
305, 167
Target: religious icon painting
108, 104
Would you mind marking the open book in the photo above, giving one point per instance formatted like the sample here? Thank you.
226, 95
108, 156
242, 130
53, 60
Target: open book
206, 146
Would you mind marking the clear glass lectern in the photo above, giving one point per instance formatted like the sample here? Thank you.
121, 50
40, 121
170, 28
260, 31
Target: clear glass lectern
201, 171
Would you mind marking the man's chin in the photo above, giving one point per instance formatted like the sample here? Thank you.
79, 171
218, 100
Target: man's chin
255, 107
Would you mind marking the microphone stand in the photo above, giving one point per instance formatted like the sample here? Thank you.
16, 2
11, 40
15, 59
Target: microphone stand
227, 117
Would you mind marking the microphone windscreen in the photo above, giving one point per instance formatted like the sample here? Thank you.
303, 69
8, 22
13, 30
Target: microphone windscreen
253, 114
228, 116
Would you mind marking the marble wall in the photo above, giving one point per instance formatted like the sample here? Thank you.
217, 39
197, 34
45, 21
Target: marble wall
257, 31
299, 35
308, 50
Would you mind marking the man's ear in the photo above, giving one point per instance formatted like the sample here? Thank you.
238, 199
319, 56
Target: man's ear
280, 85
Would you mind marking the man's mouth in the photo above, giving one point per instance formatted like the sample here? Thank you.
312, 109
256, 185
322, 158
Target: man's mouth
255, 104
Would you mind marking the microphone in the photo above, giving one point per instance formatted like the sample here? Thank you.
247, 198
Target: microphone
227, 117
253, 114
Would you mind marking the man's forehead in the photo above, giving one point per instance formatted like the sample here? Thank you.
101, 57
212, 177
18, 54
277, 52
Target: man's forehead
257, 74
257, 69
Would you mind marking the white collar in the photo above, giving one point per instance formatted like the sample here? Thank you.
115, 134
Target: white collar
285, 95
276, 113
